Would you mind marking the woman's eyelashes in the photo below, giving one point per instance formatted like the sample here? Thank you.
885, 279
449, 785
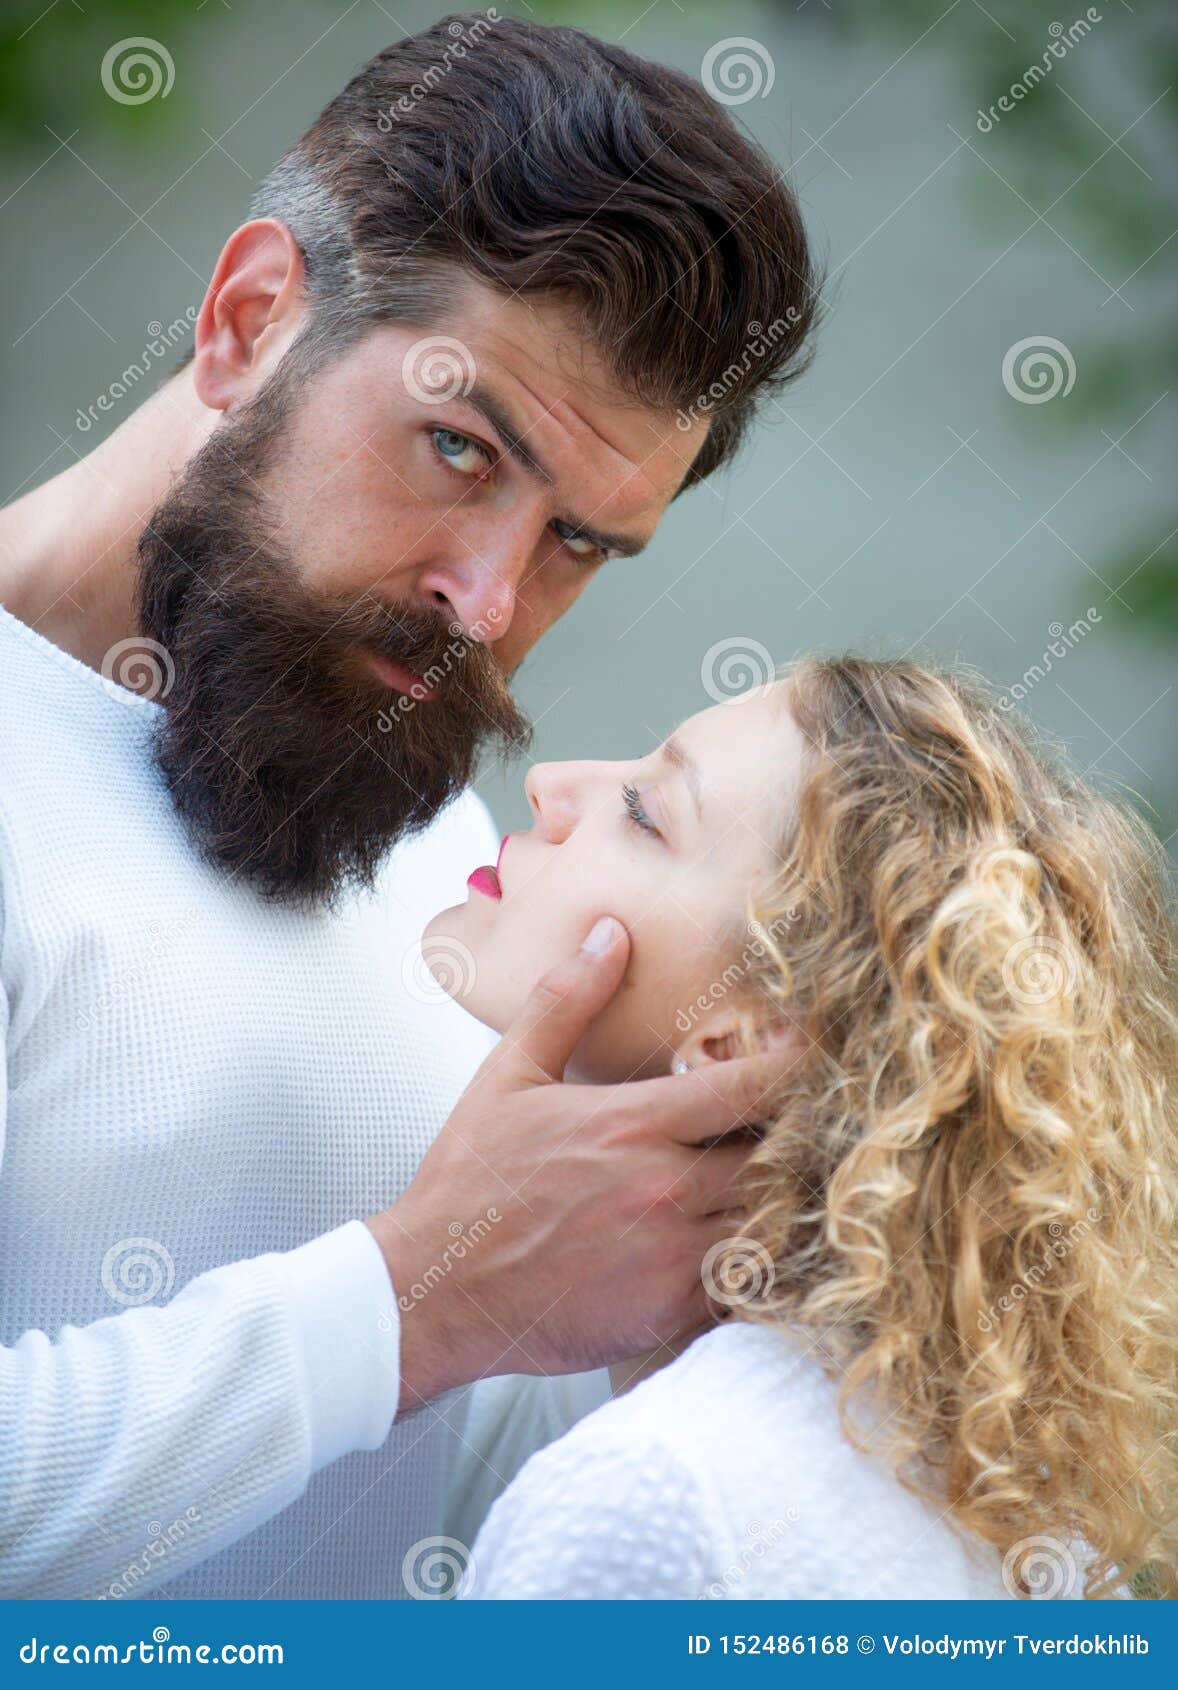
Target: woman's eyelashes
636, 811
471, 459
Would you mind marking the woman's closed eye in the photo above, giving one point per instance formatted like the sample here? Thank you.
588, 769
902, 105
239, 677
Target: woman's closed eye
636, 811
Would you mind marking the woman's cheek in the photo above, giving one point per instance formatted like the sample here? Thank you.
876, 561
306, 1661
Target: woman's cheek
617, 1048
626, 1041
523, 953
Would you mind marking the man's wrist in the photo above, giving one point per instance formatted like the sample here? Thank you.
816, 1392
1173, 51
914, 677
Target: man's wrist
434, 1347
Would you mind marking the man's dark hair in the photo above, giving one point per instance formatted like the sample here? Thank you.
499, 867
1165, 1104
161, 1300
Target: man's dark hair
545, 162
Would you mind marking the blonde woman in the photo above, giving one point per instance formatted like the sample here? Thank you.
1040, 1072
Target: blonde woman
949, 1358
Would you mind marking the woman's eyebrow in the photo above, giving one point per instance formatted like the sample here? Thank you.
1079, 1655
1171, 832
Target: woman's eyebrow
679, 758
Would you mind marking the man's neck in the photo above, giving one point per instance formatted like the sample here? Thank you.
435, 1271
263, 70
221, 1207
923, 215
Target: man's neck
68, 548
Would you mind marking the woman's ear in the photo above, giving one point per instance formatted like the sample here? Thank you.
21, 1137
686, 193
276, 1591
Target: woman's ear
250, 314
719, 1035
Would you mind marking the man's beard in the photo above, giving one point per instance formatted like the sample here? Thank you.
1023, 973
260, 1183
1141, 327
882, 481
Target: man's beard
290, 763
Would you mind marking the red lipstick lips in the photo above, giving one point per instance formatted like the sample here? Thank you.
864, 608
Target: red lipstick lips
486, 879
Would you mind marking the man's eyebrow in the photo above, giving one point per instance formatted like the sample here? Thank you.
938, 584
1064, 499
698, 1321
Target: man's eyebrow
492, 409
489, 406
680, 759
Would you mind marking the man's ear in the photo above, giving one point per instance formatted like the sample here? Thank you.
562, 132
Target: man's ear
250, 314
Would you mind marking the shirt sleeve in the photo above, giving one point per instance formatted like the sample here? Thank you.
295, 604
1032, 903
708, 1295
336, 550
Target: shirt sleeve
197, 1420
598, 1519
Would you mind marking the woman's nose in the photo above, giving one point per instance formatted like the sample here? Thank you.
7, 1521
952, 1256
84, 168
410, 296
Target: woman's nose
551, 791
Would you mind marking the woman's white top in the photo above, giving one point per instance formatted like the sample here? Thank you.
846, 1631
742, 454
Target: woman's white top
724, 1475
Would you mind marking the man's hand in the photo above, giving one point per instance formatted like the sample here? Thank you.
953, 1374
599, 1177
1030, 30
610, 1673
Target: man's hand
556, 1227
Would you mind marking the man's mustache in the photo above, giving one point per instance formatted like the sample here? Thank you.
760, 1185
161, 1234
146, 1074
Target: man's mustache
430, 643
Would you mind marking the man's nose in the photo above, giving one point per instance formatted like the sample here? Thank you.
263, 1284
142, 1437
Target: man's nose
479, 589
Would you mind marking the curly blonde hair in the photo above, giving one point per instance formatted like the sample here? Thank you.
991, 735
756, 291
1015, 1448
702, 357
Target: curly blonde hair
968, 1192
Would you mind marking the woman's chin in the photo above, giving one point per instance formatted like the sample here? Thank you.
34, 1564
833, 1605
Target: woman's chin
451, 955
443, 925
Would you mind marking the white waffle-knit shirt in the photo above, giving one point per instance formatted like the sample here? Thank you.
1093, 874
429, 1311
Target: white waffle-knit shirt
726, 1476
201, 1095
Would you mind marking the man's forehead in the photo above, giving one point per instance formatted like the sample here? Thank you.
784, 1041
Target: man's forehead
533, 351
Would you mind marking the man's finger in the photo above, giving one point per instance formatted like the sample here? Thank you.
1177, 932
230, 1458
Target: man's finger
719, 1098
545, 1033
709, 1184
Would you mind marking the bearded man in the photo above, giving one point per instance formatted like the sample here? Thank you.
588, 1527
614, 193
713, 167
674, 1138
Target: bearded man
487, 318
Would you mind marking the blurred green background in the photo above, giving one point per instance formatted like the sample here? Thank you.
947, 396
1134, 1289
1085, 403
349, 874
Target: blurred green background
901, 499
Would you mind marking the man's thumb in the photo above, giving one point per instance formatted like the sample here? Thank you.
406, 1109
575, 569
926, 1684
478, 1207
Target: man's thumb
560, 1006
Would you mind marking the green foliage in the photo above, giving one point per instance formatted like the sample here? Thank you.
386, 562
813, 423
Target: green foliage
1147, 588
1119, 218
51, 59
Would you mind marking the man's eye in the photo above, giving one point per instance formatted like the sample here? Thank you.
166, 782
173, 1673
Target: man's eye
460, 451
588, 550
